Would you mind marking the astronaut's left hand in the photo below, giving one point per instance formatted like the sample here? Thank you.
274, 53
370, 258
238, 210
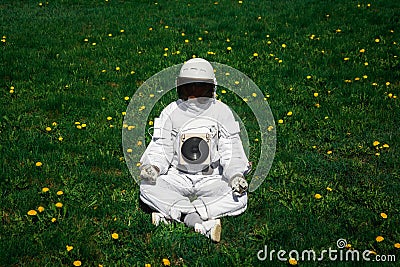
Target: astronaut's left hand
238, 184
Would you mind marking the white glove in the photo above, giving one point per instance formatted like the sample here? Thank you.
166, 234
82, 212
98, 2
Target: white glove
149, 173
238, 184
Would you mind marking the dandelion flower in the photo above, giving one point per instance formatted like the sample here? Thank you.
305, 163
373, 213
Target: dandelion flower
308, 77
362, 50
60, 138
40, 209
139, 143
315, 94
329, 189
147, 265
59, 193
397, 245
280, 121
384, 215
379, 238
109, 118
346, 59
48, 129
45, 189
126, 98
32, 213
376, 143
255, 55
254, 94
59, 205
377, 40
290, 113
292, 261
385, 146
38, 164
329, 152
166, 262
69, 248
284, 45
53, 220
117, 68
115, 236
77, 263
270, 128
317, 196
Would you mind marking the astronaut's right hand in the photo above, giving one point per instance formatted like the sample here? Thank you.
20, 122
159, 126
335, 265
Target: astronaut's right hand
149, 173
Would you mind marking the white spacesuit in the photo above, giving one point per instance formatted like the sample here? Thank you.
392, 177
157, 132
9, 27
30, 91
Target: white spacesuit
193, 169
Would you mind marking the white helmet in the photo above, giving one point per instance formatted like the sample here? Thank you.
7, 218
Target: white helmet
195, 70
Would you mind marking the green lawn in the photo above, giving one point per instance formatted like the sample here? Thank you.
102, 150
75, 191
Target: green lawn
329, 70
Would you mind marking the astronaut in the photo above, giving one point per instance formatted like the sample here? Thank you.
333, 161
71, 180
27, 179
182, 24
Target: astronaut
193, 169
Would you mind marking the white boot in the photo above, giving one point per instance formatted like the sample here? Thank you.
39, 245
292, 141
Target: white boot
157, 217
211, 229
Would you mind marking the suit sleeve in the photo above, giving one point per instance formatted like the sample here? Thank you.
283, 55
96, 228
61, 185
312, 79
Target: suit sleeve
232, 156
160, 151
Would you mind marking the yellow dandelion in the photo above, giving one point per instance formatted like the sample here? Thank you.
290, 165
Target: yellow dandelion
142, 108
223, 91
317, 196
290, 113
53, 220
40, 209
117, 68
309, 77
59, 193
280, 121
126, 98
377, 40
397, 245
32, 213
366, 63
284, 45
69, 248
48, 129
254, 95
329, 152
109, 118
45, 189
60, 138
346, 59
292, 261
317, 105
38, 164
115, 236
237, 82
376, 143
166, 262
338, 30
139, 143
270, 128
385, 146
130, 127
77, 263
384, 215
59, 205
379, 238
329, 189
315, 94
255, 54
151, 123
147, 265
362, 50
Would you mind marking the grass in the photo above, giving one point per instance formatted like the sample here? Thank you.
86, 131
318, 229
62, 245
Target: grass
65, 62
